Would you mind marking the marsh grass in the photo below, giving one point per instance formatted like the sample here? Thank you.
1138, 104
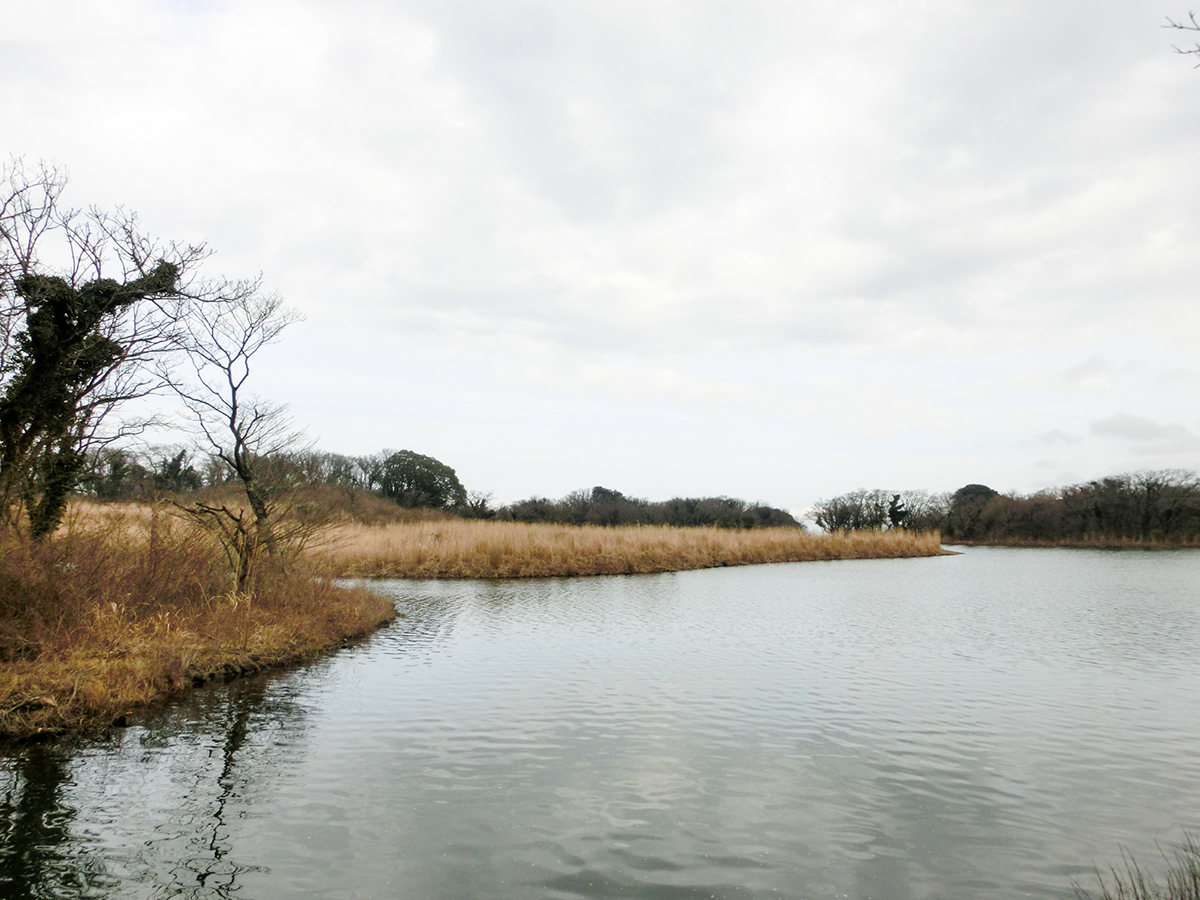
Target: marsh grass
1131, 881
480, 549
124, 608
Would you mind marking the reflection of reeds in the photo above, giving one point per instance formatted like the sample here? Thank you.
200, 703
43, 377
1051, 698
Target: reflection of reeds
120, 610
465, 549
1130, 881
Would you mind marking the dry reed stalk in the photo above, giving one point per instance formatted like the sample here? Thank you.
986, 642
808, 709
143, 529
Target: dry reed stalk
1131, 881
474, 549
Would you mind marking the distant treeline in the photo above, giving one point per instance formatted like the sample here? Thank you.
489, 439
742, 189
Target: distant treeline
603, 506
417, 482
1153, 507
410, 479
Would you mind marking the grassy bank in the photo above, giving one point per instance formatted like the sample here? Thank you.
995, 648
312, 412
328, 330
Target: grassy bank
463, 549
123, 611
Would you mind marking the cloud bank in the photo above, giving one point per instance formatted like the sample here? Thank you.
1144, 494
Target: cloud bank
778, 250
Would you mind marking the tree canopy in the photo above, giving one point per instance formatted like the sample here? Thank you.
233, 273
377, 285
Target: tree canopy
412, 480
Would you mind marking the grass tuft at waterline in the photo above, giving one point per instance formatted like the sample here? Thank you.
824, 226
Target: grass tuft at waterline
481, 549
124, 612
1131, 881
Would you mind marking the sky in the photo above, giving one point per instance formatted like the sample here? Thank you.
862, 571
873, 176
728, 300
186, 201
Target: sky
772, 250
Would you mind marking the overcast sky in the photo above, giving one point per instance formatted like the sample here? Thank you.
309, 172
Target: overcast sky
776, 250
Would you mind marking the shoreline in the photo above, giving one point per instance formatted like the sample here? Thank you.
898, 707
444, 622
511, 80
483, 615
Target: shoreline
91, 694
130, 611
1098, 544
121, 614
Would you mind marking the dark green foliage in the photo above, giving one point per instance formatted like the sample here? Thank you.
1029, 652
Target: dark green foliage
604, 506
965, 518
413, 480
176, 475
117, 474
63, 354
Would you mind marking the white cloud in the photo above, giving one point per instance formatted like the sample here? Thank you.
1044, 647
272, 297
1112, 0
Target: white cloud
1140, 429
899, 240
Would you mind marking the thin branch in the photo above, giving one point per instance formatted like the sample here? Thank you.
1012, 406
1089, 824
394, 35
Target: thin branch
1190, 25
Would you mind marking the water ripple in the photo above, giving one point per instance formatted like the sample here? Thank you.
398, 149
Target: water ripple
987, 726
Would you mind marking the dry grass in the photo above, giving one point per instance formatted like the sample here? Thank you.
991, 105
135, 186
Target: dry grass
474, 549
118, 611
1130, 881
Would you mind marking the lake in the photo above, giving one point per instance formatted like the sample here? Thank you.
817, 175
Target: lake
987, 725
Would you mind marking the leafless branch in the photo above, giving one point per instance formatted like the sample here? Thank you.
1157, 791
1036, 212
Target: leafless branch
1190, 25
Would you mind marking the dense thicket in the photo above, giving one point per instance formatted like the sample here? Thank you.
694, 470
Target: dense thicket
603, 506
1154, 507
1157, 507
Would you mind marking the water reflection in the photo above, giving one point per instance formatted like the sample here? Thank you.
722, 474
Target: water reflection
70, 829
987, 726
195, 834
38, 857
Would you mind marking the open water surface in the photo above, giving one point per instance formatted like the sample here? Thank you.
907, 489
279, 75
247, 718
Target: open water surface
990, 725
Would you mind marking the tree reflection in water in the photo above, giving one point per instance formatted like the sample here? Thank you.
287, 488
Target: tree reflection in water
167, 792
37, 856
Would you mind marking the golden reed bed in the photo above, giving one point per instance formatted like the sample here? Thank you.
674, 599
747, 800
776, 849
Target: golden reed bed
463, 549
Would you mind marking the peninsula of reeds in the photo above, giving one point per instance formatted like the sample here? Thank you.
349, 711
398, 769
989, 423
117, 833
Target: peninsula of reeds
479, 549
124, 610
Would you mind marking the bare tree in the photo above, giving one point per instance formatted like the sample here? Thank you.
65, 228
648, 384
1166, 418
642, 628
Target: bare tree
252, 437
1190, 25
87, 304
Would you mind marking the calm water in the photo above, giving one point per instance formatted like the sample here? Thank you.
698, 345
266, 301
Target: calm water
989, 725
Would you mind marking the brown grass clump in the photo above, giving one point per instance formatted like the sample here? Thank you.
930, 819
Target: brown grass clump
475, 549
119, 611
